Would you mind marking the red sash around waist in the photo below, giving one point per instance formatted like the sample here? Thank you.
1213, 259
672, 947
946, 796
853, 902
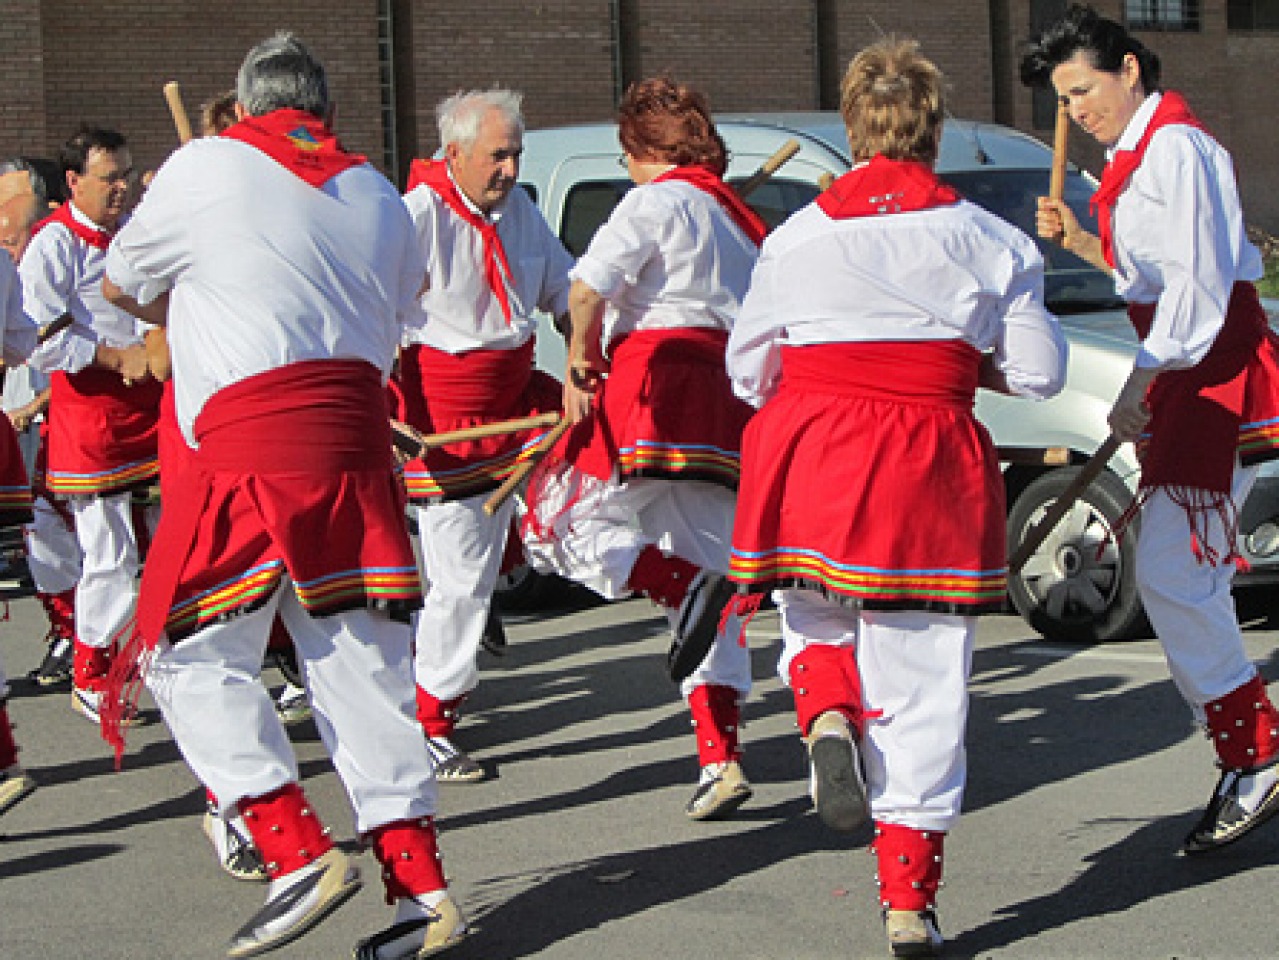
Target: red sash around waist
1197, 414
316, 419
939, 372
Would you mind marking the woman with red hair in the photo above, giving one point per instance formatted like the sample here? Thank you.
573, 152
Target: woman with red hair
642, 499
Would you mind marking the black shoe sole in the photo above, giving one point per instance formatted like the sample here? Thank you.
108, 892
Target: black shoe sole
1195, 845
841, 793
693, 641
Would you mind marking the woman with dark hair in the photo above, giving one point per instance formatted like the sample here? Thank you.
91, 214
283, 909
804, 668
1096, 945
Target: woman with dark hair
871, 500
642, 500
1202, 400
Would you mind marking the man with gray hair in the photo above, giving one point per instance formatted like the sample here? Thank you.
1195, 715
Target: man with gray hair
493, 263
293, 262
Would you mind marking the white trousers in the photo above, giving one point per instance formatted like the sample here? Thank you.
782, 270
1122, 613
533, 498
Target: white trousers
914, 668
597, 541
461, 549
358, 673
107, 592
53, 552
1189, 603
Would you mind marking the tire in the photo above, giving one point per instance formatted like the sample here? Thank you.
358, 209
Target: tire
1066, 591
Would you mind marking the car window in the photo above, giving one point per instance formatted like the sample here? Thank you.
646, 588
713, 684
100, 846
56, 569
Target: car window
776, 198
1071, 285
588, 205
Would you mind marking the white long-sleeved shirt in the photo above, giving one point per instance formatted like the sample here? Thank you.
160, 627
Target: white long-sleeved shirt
265, 270
1179, 239
951, 272
63, 274
668, 256
18, 330
460, 312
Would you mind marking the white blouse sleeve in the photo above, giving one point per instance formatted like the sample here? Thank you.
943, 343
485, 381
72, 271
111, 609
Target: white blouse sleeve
1031, 350
621, 247
1189, 224
754, 355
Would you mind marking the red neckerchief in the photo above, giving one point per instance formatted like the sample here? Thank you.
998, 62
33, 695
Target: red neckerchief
298, 141
93, 236
708, 181
885, 186
435, 174
1172, 109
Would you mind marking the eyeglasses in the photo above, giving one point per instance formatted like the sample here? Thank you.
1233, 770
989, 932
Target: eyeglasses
624, 161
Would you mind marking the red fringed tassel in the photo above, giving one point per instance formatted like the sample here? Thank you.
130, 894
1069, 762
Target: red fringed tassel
744, 606
122, 686
410, 858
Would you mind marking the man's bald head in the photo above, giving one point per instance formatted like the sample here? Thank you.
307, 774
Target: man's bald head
19, 211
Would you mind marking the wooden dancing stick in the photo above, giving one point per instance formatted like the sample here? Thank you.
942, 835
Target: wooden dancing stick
525, 466
768, 168
1037, 534
412, 443
1061, 136
178, 110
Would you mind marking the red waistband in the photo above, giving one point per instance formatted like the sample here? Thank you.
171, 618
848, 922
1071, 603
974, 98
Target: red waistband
920, 371
315, 415
474, 383
708, 342
1246, 320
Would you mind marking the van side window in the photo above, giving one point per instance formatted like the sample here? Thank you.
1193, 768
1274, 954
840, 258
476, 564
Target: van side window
776, 199
586, 207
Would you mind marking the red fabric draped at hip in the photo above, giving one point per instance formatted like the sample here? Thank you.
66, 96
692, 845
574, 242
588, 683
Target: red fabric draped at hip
1227, 404
867, 478
102, 434
666, 409
15, 488
443, 392
293, 473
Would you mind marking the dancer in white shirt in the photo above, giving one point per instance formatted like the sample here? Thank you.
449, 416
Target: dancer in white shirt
871, 499
290, 263
1202, 399
641, 498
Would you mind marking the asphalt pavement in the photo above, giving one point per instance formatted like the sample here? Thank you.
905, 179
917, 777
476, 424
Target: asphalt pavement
1085, 773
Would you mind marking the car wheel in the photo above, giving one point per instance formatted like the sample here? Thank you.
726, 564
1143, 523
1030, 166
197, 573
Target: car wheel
1080, 585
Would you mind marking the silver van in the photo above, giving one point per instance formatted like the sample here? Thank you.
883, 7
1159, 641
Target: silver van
1079, 586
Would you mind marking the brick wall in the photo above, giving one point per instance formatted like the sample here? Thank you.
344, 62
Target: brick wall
22, 80
106, 63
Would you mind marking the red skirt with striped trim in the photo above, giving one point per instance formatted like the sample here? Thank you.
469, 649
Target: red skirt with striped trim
442, 392
867, 478
666, 410
102, 434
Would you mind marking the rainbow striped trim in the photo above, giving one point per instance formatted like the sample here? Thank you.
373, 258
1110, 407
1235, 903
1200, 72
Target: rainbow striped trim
114, 480
929, 586
1259, 441
351, 588
648, 457
15, 498
473, 478
228, 599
